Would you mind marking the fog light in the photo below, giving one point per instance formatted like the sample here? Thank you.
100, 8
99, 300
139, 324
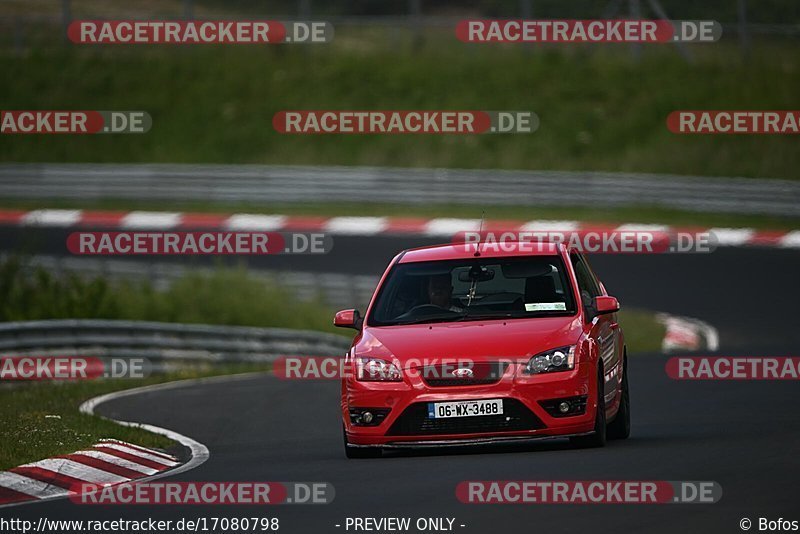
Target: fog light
565, 406
367, 417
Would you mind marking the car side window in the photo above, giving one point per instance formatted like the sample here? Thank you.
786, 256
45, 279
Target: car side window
587, 285
592, 276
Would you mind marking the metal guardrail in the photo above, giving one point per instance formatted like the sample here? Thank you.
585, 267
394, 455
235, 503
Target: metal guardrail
161, 342
283, 184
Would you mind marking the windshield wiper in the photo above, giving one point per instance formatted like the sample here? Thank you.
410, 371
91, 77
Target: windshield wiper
437, 318
494, 315
510, 315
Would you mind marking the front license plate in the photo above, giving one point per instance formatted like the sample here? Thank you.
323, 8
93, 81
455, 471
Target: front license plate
470, 408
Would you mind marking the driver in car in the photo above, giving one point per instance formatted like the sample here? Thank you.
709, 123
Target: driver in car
440, 292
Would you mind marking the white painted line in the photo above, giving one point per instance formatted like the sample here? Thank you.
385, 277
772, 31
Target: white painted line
156, 220
356, 225
550, 226
199, 452
637, 227
681, 328
30, 486
51, 217
140, 454
732, 236
450, 227
78, 470
116, 460
139, 447
712, 338
791, 240
264, 223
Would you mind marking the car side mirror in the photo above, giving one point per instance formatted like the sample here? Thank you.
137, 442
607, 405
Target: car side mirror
605, 304
348, 319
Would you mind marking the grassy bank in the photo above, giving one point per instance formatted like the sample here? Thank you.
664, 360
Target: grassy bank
642, 332
41, 420
224, 297
599, 109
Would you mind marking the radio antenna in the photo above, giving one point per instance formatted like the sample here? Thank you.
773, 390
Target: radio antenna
480, 234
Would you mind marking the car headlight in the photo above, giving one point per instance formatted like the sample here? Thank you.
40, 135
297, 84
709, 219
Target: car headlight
560, 359
377, 370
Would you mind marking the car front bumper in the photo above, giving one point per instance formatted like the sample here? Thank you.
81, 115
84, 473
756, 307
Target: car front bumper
524, 417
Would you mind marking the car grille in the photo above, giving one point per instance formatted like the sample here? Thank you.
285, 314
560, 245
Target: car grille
414, 421
483, 373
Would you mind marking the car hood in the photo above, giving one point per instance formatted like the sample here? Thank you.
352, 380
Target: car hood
475, 340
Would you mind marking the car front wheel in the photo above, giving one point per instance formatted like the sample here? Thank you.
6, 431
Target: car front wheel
620, 427
598, 437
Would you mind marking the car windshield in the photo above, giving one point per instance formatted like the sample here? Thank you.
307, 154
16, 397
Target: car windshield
473, 289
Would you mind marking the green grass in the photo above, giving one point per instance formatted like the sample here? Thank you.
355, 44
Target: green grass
226, 297
642, 332
599, 109
637, 214
40, 420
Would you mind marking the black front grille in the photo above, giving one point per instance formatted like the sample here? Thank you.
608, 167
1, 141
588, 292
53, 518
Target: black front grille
414, 421
454, 382
481, 374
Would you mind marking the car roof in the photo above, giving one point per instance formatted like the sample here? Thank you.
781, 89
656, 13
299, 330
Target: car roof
487, 250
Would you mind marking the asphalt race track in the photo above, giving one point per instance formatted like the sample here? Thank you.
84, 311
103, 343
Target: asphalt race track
742, 435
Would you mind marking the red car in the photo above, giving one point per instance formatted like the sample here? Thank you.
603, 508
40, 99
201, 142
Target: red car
465, 345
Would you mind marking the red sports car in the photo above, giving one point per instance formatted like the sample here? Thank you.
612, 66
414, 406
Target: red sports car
465, 345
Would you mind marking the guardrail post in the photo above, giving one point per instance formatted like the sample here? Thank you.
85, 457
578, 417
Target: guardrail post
744, 35
66, 17
304, 9
635, 14
188, 9
415, 16
19, 36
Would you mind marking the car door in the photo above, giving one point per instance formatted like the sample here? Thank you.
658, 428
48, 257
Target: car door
604, 330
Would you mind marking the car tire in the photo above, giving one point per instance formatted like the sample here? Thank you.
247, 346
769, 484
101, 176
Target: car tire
620, 427
598, 437
359, 452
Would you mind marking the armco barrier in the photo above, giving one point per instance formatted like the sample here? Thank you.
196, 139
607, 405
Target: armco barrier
162, 342
277, 184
